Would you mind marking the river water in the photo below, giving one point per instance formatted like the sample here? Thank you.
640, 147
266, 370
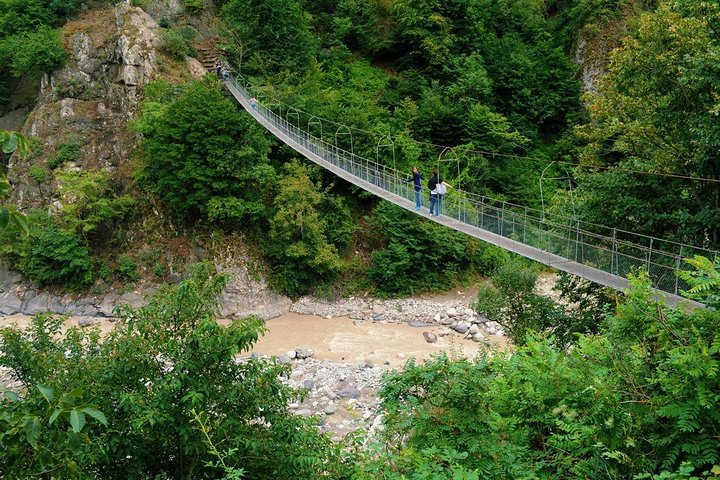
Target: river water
337, 339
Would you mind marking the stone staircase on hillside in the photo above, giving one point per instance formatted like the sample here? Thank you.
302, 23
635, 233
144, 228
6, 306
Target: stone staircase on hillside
208, 53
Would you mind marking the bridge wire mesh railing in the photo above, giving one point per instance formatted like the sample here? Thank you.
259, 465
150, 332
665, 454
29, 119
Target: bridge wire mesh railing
614, 251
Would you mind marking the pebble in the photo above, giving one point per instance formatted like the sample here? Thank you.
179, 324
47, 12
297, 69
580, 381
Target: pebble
430, 337
283, 360
330, 409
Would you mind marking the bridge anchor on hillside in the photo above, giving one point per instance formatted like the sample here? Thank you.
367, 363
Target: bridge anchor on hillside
604, 257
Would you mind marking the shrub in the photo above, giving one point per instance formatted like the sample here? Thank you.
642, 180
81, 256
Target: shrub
205, 158
194, 6
68, 150
419, 256
164, 22
51, 255
166, 369
175, 44
37, 173
637, 399
91, 206
32, 53
127, 269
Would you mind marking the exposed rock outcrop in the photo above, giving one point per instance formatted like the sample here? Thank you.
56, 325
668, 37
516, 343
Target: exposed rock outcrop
593, 48
112, 54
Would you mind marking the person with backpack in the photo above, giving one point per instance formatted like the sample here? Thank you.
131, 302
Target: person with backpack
417, 183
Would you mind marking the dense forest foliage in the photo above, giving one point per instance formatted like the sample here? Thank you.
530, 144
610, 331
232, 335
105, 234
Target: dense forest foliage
610, 388
402, 81
163, 396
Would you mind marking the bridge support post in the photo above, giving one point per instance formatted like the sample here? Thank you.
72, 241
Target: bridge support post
502, 218
677, 269
613, 252
482, 212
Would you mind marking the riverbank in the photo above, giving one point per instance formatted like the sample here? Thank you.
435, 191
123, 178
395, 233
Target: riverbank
338, 351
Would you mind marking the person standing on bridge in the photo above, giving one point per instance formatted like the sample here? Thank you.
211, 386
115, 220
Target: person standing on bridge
417, 183
253, 103
441, 188
432, 185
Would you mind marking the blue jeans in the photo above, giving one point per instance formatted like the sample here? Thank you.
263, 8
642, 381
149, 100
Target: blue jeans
441, 198
434, 204
418, 200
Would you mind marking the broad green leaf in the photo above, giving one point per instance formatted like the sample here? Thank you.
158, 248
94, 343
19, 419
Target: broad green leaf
77, 420
10, 395
4, 217
32, 430
10, 143
47, 392
96, 414
54, 416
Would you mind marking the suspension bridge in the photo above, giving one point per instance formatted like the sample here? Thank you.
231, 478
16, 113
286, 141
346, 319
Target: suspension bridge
597, 253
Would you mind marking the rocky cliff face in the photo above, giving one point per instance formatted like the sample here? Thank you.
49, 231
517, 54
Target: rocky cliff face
596, 42
113, 53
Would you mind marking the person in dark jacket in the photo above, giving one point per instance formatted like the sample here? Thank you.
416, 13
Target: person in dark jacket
417, 183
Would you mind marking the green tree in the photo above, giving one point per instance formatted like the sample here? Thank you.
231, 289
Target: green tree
511, 300
164, 366
204, 157
415, 255
32, 53
657, 112
9, 215
274, 32
299, 244
52, 255
640, 398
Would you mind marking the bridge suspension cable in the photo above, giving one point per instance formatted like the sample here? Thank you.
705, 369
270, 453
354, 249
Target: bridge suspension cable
511, 156
597, 253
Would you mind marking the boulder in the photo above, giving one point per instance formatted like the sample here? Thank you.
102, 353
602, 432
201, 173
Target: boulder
478, 337
452, 312
330, 409
462, 327
304, 352
350, 391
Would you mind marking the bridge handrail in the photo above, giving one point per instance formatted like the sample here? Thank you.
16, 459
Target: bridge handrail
572, 242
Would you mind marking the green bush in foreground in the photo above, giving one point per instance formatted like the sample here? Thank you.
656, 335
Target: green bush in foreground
638, 399
166, 374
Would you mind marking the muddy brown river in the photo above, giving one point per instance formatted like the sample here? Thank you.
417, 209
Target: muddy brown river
338, 339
